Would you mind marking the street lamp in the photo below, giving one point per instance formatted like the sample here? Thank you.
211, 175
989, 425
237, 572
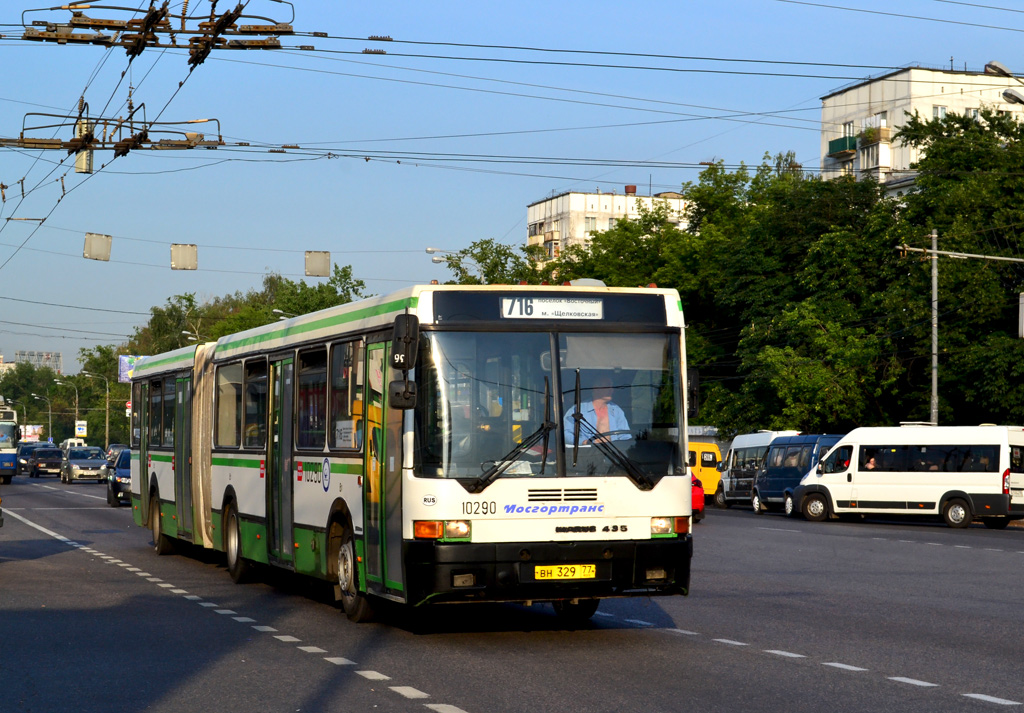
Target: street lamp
284, 315
49, 415
192, 336
1012, 95
106, 419
68, 383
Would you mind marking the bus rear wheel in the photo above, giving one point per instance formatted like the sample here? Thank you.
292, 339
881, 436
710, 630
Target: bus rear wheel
720, 501
239, 568
354, 602
161, 543
575, 611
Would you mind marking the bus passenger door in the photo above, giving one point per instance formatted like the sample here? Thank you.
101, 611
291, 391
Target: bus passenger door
382, 488
143, 406
183, 455
279, 461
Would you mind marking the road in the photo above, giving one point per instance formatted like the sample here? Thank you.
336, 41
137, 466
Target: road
784, 615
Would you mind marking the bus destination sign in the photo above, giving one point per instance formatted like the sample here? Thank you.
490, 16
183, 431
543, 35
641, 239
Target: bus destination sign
552, 308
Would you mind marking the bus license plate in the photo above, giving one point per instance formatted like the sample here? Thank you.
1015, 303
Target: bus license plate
565, 571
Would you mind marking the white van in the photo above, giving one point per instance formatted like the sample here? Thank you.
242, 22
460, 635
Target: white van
959, 472
72, 443
740, 465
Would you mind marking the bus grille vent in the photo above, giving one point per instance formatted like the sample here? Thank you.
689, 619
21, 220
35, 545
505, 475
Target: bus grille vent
558, 495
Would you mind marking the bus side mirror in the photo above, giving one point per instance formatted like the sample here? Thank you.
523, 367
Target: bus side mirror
402, 394
404, 346
721, 466
405, 342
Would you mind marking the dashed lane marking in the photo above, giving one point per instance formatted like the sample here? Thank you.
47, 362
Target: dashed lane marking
684, 631
638, 622
844, 666
312, 649
912, 681
787, 654
264, 628
443, 708
339, 661
374, 675
409, 692
224, 611
287, 639
991, 699
730, 642
243, 619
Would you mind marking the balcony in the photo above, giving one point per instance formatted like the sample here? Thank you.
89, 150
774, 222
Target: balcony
875, 135
842, 147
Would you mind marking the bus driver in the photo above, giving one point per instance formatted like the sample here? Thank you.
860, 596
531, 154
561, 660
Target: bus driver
604, 416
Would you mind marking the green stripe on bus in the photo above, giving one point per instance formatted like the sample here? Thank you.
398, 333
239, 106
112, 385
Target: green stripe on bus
237, 462
151, 363
316, 324
351, 468
160, 457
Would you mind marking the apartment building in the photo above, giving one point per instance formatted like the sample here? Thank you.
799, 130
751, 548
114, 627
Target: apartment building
858, 121
571, 218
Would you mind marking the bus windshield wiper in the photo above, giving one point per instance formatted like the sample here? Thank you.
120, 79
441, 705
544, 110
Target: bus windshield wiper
616, 456
503, 463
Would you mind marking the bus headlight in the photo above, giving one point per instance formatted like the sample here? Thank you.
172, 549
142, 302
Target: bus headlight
456, 530
662, 526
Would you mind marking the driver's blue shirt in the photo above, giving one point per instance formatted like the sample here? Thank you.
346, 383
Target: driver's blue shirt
616, 422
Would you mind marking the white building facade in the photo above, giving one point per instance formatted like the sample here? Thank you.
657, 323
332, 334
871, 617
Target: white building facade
858, 121
571, 218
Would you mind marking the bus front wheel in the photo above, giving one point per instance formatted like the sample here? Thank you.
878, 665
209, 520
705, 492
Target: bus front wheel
161, 543
354, 602
239, 568
815, 508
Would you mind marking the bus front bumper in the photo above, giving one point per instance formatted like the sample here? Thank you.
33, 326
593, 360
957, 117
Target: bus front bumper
464, 572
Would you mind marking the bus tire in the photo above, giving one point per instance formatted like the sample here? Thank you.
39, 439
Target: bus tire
162, 544
720, 501
575, 613
239, 568
357, 607
996, 523
815, 508
956, 513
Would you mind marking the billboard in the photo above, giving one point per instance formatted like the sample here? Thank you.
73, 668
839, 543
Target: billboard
125, 364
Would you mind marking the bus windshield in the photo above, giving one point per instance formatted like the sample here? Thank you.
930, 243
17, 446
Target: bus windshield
499, 405
8, 435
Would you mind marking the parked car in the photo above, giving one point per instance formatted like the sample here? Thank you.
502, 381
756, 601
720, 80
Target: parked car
25, 449
113, 449
789, 459
119, 478
83, 464
698, 499
44, 461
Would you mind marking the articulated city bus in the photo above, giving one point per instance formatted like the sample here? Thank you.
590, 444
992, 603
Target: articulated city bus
439, 444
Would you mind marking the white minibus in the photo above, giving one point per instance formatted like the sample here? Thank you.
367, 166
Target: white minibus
740, 465
959, 472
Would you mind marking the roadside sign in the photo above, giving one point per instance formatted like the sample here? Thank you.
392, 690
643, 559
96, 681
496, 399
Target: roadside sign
81, 429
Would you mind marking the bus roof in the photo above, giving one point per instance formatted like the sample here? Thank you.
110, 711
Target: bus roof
366, 314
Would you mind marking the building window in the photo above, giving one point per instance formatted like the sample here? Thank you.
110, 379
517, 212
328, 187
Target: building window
589, 225
938, 112
973, 114
611, 223
848, 129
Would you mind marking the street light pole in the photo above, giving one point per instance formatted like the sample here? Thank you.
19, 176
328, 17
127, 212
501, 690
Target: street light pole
49, 416
935, 329
68, 383
106, 415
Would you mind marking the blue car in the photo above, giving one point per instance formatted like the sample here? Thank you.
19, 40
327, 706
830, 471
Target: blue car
119, 479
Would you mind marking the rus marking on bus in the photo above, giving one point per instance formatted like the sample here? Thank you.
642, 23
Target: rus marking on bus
462, 427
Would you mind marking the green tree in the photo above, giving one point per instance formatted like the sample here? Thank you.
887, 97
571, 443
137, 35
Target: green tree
488, 262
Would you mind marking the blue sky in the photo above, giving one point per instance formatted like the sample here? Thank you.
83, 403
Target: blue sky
251, 210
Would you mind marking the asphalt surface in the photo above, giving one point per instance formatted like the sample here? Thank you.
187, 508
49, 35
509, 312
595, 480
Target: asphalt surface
784, 615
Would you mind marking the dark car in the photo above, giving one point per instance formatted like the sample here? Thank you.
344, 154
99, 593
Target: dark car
119, 478
44, 461
113, 449
25, 449
83, 464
